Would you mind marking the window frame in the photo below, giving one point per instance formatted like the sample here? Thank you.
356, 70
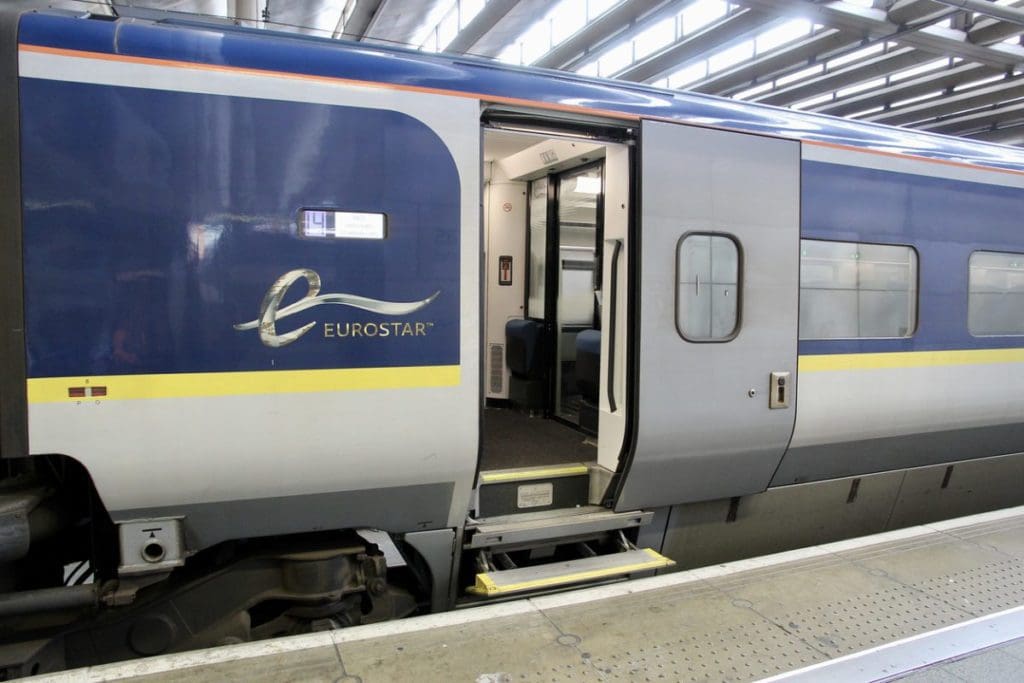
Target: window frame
739, 285
968, 302
911, 333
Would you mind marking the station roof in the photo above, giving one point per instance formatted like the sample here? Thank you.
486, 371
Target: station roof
945, 66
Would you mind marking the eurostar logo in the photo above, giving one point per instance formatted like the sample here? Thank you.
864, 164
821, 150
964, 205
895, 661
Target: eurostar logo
270, 312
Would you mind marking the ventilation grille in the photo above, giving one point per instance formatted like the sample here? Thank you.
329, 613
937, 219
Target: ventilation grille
497, 368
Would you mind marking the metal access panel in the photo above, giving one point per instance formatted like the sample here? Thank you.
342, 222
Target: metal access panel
705, 427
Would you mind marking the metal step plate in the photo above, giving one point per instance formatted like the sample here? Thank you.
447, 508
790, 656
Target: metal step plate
529, 489
492, 584
522, 474
515, 530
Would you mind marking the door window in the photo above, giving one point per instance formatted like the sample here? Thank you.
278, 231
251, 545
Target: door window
538, 247
707, 287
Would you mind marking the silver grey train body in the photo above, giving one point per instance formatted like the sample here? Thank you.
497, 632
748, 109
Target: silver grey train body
300, 334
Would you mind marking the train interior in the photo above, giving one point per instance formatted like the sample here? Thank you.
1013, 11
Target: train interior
545, 244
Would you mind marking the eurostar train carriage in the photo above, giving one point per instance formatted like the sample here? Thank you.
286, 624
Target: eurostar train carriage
299, 334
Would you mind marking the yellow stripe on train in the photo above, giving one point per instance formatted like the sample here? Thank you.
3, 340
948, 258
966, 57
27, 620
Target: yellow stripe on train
908, 359
185, 385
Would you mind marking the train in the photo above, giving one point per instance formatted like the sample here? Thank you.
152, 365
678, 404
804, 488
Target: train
301, 334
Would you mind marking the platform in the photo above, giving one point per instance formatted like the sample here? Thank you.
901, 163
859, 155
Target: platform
941, 602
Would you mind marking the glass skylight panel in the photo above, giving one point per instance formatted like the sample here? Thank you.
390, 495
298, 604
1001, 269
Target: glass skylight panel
567, 17
866, 112
455, 18
731, 56
756, 90
782, 34
448, 28
800, 75
536, 41
701, 13
918, 70
596, 8
654, 38
806, 104
430, 44
914, 100
616, 59
861, 87
426, 37
689, 74
980, 81
856, 55
563, 20
513, 54
468, 9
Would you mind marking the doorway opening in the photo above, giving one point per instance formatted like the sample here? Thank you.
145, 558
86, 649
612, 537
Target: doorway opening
546, 327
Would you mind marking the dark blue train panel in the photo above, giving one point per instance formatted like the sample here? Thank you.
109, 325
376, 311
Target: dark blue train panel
156, 222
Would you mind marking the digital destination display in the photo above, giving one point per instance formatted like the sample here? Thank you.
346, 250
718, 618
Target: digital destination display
328, 223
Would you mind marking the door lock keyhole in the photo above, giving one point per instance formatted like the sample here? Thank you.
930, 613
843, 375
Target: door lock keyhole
778, 395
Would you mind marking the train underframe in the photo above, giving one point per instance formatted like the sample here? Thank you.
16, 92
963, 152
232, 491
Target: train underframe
63, 604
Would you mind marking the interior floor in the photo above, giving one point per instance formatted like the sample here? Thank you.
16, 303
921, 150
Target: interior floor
512, 438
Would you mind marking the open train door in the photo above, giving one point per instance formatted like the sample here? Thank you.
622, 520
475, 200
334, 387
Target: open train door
715, 358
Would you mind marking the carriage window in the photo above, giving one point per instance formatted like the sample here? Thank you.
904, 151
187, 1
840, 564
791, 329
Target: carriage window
851, 290
995, 299
707, 288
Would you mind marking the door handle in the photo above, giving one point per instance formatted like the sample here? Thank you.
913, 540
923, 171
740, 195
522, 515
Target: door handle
779, 391
612, 315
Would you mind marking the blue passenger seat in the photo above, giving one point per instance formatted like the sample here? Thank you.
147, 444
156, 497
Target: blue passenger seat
525, 356
588, 377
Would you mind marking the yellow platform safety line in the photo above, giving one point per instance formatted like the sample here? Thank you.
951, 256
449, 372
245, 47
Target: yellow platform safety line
908, 359
486, 586
535, 473
209, 384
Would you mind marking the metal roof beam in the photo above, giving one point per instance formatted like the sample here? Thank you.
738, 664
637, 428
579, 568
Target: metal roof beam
988, 8
485, 20
901, 90
798, 55
966, 100
873, 23
989, 31
735, 27
511, 25
617, 24
974, 121
845, 76
906, 11
1010, 134
397, 21
359, 20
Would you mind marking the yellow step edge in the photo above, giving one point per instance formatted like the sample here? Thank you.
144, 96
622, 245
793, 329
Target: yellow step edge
538, 473
486, 586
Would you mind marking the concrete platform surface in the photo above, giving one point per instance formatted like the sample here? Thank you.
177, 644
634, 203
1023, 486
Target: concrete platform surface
741, 621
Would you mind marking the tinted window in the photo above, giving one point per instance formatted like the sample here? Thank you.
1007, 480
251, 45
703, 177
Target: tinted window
850, 290
707, 287
995, 294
